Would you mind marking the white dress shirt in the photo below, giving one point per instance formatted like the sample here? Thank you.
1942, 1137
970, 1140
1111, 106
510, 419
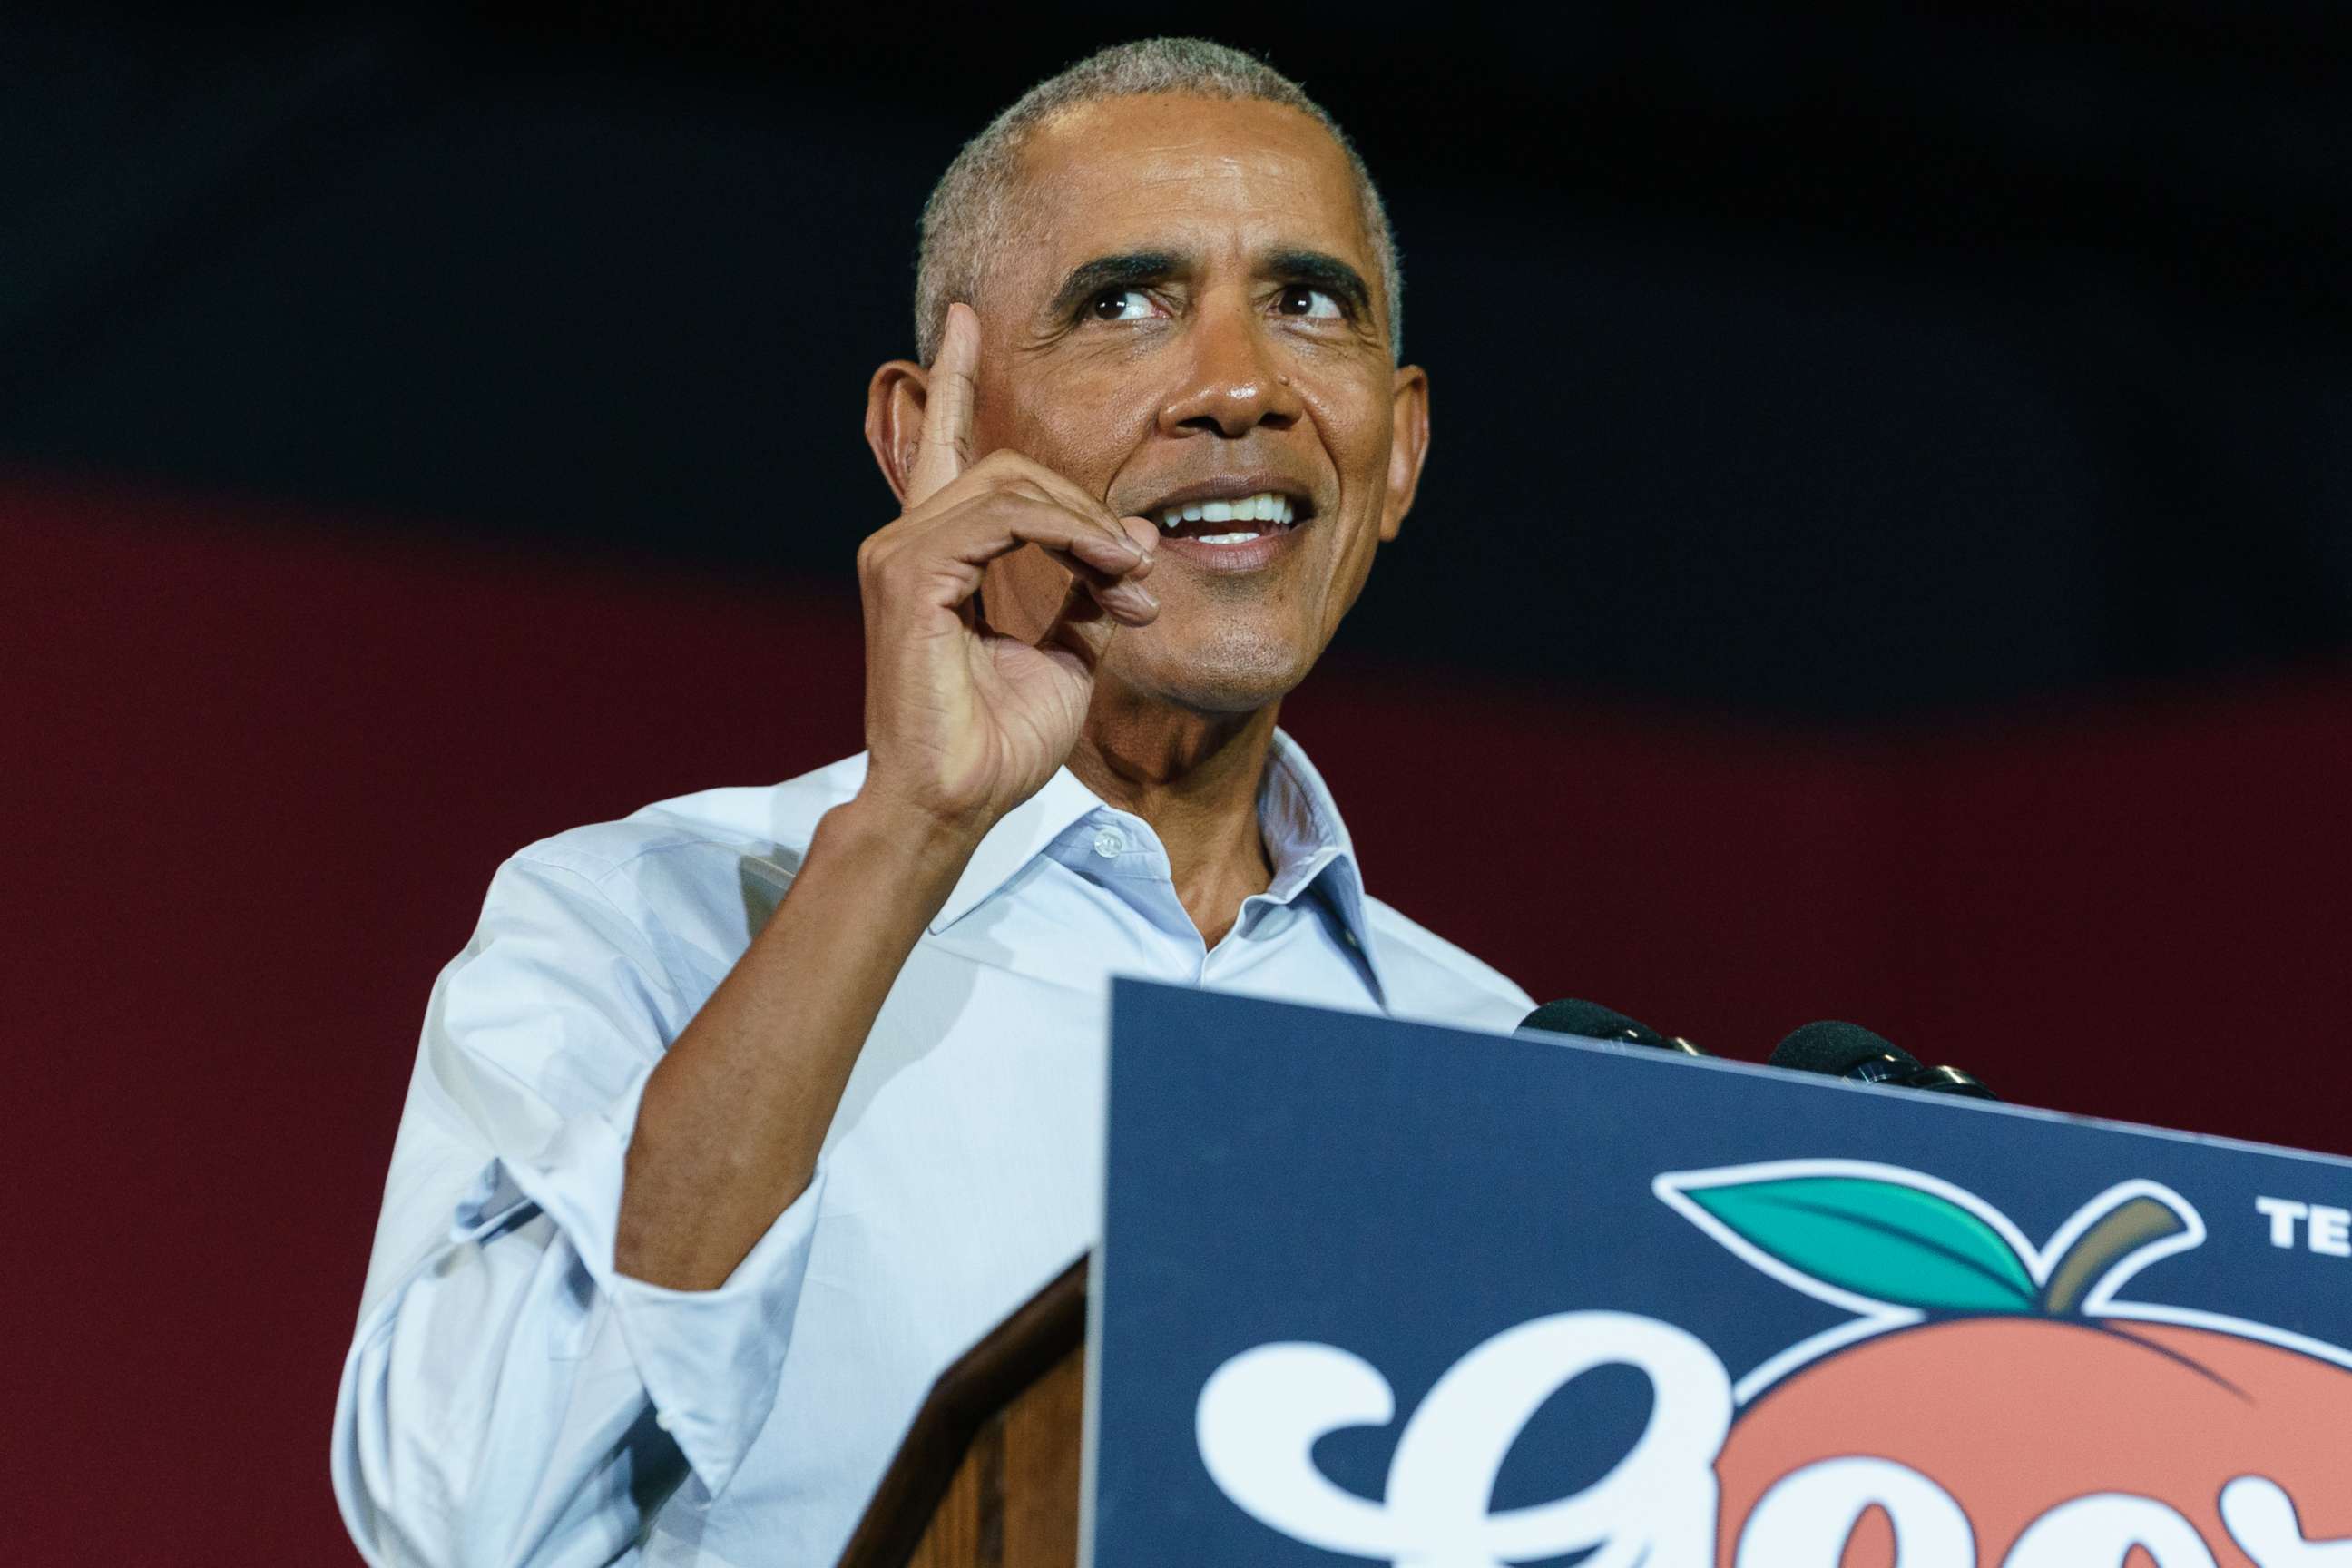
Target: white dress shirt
510, 1399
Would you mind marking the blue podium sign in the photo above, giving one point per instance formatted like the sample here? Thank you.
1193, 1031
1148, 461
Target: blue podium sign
1374, 1292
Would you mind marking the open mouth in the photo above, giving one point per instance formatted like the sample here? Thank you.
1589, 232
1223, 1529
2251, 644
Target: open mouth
1242, 519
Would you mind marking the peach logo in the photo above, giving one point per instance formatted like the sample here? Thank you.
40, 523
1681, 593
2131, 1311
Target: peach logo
1988, 1402
1996, 1402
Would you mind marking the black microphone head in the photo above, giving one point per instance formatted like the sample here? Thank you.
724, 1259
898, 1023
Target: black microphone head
1591, 1020
1842, 1050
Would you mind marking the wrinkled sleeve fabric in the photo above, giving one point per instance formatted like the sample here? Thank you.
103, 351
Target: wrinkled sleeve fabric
508, 1398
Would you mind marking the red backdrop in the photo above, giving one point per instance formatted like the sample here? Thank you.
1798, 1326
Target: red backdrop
259, 773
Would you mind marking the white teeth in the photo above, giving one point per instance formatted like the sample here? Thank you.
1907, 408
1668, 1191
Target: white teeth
1264, 506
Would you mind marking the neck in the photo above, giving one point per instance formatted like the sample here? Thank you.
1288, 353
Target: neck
1194, 777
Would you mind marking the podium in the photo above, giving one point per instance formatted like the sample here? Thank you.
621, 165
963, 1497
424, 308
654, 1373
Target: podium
987, 1473
1386, 1292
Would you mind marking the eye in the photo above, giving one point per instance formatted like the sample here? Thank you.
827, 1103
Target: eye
1120, 305
1298, 300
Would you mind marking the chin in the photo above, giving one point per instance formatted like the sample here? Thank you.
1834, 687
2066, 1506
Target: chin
1233, 673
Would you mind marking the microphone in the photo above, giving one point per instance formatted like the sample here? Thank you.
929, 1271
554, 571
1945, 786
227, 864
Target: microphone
1843, 1050
1850, 1051
1594, 1021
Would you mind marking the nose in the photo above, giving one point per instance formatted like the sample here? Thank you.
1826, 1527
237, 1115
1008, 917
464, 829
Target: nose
1229, 383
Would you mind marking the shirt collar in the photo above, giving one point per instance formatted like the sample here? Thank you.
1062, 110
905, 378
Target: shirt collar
1304, 838
1018, 837
1310, 846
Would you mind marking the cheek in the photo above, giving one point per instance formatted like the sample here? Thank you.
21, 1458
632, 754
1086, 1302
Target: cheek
1353, 423
1082, 425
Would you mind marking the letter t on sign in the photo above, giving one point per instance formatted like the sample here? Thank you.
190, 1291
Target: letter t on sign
2284, 1212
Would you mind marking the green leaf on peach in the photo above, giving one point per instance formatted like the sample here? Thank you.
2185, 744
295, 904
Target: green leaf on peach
1878, 1239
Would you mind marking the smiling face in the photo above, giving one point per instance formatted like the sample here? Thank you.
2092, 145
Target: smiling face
1192, 315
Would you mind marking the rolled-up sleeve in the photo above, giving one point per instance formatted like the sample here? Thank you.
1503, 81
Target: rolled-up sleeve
509, 1398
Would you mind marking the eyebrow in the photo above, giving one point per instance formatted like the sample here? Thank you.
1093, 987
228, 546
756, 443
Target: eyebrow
1131, 271
1135, 269
1327, 273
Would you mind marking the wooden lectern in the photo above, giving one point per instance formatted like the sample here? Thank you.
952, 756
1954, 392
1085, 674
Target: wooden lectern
988, 1474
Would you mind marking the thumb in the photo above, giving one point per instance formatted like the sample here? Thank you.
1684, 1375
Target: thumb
944, 449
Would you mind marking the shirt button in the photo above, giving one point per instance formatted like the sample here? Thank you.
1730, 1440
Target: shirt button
1109, 844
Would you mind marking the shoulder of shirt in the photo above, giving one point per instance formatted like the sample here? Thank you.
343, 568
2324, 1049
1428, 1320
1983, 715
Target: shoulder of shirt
1418, 959
762, 821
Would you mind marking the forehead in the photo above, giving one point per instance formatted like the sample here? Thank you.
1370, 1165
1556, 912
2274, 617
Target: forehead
1164, 171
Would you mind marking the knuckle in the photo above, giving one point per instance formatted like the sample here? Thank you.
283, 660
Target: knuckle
879, 558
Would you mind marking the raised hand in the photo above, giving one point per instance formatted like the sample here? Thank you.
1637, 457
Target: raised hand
962, 721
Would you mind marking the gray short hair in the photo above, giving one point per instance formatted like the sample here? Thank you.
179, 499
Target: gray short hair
970, 216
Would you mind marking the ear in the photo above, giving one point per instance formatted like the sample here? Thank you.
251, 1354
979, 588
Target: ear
895, 401
1407, 445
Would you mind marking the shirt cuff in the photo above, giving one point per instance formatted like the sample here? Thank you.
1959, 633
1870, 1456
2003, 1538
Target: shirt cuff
710, 1360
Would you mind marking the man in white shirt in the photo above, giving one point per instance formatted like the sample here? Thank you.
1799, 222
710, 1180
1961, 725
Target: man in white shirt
738, 1120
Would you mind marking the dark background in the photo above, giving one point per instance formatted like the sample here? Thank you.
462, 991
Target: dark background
1884, 554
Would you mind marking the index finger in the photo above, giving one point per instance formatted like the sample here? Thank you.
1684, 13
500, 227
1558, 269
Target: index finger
945, 446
